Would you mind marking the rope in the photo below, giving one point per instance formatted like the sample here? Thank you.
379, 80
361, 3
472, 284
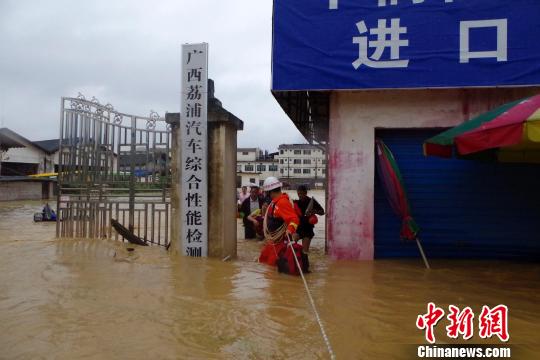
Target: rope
319, 321
273, 236
276, 236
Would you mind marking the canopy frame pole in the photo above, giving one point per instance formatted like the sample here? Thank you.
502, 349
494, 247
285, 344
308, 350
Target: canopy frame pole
422, 253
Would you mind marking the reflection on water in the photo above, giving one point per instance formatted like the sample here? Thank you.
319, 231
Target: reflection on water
93, 298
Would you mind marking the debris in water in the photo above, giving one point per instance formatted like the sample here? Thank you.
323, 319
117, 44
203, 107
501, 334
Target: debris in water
128, 235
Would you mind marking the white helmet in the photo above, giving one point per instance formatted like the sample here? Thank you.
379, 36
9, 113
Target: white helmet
271, 183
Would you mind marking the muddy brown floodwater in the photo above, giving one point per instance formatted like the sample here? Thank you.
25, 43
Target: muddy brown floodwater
67, 299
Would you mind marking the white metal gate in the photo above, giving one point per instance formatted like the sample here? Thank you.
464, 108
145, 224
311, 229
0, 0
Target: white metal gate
112, 166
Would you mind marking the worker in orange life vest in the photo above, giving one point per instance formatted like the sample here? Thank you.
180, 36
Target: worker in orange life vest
280, 214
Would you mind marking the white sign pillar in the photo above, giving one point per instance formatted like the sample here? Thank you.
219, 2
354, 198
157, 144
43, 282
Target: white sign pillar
194, 143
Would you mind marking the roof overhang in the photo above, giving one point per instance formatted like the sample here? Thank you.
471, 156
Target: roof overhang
309, 111
9, 140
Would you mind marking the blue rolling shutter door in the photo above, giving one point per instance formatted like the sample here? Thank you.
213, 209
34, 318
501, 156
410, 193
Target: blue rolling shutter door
466, 209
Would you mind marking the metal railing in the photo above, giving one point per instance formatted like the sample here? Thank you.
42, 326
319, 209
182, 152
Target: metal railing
112, 166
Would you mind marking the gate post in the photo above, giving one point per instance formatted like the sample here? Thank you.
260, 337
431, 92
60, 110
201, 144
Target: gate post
222, 130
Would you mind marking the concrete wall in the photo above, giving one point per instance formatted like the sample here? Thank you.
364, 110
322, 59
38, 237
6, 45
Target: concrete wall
21, 190
354, 116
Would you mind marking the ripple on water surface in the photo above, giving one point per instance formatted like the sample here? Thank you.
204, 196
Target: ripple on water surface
93, 298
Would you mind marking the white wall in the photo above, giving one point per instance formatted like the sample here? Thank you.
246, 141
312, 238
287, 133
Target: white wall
246, 178
250, 156
31, 155
268, 173
25, 155
255, 173
316, 167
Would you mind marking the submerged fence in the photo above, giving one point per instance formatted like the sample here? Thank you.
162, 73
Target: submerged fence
112, 166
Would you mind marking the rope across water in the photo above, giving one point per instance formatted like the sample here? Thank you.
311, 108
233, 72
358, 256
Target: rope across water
276, 236
319, 321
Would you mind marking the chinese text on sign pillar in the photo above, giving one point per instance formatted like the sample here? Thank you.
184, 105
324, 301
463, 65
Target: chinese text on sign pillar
194, 143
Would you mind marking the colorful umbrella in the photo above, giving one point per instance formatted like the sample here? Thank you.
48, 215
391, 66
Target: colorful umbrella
511, 132
396, 194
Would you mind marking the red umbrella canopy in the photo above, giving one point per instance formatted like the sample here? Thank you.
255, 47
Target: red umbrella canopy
514, 128
392, 181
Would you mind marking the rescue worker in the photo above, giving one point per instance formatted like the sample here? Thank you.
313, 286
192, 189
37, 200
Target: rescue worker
281, 222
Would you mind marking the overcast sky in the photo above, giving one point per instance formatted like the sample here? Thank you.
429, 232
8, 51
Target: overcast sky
128, 53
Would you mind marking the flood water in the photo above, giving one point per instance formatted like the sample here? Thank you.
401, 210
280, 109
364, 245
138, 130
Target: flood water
67, 299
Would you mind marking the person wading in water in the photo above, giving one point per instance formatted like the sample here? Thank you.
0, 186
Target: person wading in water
280, 224
307, 209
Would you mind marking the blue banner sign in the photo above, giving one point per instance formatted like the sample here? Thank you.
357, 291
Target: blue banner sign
386, 44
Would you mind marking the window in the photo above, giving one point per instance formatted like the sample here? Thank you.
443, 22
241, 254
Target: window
324, 162
248, 168
307, 161
252, 180
261, 167
245, 153
281, 171
324, 171
307, 152
297, 152
307, 171
272, 167
281, 152
239, 168
297, 171
261, 182
297, 161
281, 161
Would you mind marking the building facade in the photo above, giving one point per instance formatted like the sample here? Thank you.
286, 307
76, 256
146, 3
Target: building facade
20, 157
293, 164
302, 164
27, 157
465, 208
254, 165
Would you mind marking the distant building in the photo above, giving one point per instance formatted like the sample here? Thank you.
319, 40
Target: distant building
293, 164
302, 164
253, 166
21, 156
146, 161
